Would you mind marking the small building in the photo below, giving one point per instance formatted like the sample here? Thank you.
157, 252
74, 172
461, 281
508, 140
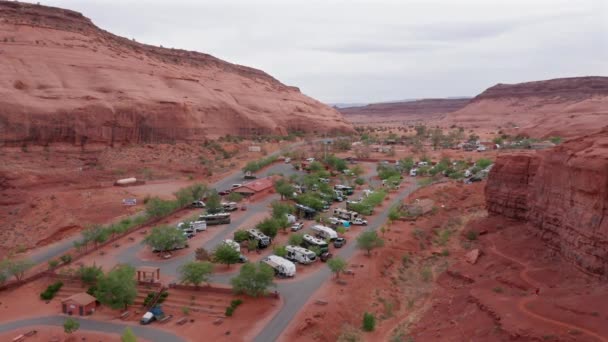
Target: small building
81, 303
148, 274
255, 188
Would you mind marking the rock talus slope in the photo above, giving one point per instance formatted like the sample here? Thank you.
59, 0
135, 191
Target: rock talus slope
566, 107
563, 194
64, 79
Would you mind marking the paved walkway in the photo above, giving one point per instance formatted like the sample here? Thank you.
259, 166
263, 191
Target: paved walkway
147, 333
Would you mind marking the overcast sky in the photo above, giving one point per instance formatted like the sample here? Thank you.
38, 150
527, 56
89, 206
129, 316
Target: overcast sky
371, 51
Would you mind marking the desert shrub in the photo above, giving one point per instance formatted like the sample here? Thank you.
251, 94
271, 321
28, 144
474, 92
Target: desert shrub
53, 263
66, 258
51, 290
369, 321
483, 163
472, 235
240, 236
359, 181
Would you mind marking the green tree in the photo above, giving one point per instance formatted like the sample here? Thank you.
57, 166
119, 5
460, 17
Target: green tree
157, 207
118, 288
195, 272
253, 279
280, 210
17, 268
357, 170
315, 166
280, 251
226, 254
252, 245
337, 265
128, 336
284, 188
235, 197
369, 240
165, 238
269, 227
311, 200
296, 239
70, 325
214, 203
89, 274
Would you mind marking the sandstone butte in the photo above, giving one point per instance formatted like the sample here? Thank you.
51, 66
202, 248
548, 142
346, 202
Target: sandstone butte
65, 80
417, 110
566, 107
562, 193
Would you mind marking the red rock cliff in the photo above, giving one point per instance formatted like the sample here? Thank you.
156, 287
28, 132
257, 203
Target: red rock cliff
562, 193
64, 79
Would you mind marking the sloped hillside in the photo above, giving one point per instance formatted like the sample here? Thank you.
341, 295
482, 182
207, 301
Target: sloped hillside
566, 107
64, 79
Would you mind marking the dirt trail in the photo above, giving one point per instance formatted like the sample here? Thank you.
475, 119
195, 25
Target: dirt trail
521, 305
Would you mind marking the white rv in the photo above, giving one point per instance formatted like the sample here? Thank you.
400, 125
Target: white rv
300, 254
291, 218
345, 214
233, 244
324, 232
261, 238
282, 267
311, 241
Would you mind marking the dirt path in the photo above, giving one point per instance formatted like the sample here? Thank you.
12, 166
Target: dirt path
521, 305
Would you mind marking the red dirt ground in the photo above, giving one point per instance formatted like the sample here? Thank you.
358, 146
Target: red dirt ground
49, 193
47, 333
433, 294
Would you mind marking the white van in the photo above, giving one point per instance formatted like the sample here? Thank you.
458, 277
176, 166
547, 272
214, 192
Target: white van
413, 172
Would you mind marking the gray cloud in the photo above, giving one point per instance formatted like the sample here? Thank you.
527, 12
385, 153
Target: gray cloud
375, 50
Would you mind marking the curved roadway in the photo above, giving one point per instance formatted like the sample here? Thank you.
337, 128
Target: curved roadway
146, 333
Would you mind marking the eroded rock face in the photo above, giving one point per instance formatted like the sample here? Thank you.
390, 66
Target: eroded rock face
64, 79
563, 193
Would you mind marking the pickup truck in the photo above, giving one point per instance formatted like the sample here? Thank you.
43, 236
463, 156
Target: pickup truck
155, 314
359, 221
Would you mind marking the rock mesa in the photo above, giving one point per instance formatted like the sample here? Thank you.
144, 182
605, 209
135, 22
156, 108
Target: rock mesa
64, 79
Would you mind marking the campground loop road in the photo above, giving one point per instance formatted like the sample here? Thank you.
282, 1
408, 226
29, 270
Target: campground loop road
147, 333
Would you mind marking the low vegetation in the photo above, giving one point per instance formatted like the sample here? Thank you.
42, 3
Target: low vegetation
257, 165
369, 322
195, 272
233, 305
51, 290
253, 279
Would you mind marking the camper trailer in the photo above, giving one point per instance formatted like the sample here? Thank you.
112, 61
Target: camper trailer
345, 214
324, 232
281, 266
263, 240
300, 254
213, 219
311, 241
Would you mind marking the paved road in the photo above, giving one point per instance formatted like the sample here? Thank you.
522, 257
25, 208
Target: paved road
296, 294
146, 333
59, 248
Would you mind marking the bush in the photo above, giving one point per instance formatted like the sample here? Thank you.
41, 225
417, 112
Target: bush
92, 289
359, 181
66, 258
157, 207
369, 321
472, 235
235, 197
296, 239
240, 236
53, 263
483, 163
51, 290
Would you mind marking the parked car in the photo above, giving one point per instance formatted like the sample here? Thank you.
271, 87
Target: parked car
238, 185
325, 256
225, 192
287, 160
297, 226
243, 259
310, 160
339, 242
198, 204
